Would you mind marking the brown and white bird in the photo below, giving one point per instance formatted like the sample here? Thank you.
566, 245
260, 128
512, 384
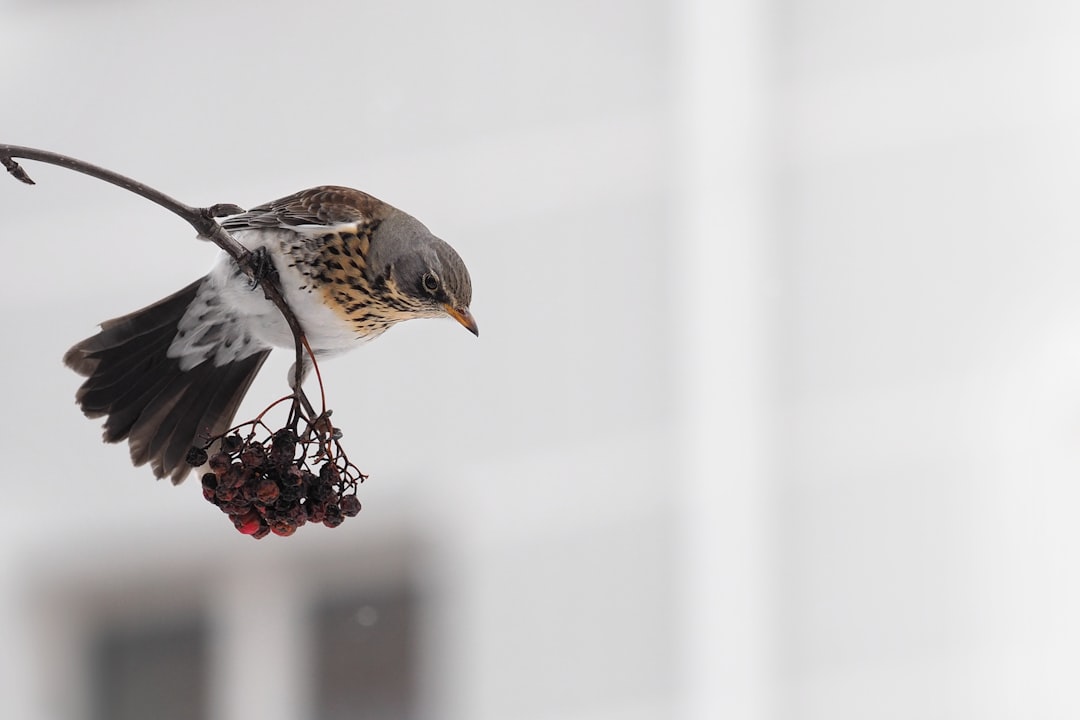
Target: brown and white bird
349, 265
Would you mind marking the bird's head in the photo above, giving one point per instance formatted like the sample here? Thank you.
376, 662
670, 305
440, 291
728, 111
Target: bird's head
420, 274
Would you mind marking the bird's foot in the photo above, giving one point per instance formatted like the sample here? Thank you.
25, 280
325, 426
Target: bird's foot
262, 267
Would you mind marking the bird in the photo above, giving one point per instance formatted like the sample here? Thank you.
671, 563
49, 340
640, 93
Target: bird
349, 266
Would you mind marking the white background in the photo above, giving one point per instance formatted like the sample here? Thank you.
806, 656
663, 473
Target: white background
775, 409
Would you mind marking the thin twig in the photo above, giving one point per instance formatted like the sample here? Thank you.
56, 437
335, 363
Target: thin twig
202, 219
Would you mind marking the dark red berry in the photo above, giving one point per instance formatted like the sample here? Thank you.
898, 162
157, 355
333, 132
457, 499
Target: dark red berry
267, 491
350, 506
316, 512
328, 473
248, 523
283, 447
225, 494
292, 477
283, 528
236, 506
297, 515
284, 436
196, 456
253, 455
334, 517
248, 491
280, 459
233, 477
219, 463
231, 444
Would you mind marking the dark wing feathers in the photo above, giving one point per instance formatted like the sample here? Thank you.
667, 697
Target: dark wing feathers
160, 409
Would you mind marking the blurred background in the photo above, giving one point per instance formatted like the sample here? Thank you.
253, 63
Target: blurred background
774, 413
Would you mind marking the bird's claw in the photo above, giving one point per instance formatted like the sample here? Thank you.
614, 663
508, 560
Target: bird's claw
261, 265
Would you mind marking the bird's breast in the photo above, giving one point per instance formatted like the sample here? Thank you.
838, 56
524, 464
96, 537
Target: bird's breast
323, 283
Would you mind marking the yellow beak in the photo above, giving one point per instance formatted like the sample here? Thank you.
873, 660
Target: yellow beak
463, 316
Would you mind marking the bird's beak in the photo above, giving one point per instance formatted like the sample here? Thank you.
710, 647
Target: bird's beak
463, 316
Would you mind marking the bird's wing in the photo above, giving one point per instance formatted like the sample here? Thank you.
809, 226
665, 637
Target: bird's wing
325, 206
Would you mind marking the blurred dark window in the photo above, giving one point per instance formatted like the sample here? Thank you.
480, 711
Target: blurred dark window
364, 657
150, 671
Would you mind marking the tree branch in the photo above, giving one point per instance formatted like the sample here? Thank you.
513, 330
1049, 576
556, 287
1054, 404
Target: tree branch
202, 219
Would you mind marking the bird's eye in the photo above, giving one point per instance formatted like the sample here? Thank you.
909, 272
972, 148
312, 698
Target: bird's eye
431, 282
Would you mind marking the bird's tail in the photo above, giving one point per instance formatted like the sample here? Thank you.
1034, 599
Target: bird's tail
144, 395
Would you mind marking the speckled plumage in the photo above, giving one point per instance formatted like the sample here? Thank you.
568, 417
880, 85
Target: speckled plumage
349, 266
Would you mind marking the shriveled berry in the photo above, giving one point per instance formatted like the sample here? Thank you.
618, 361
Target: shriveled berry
350, 506
334, 517
196, 456
234, 477
283, 446
219, 463
292, 477
236, 506
253, 455
316, 512
284, 436
280, 509
262, 532
231, 444
329, 473
248, 491
267, 491
282, 528
281, 459
297, 515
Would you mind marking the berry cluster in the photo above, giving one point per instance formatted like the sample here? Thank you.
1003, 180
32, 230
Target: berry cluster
267, 486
